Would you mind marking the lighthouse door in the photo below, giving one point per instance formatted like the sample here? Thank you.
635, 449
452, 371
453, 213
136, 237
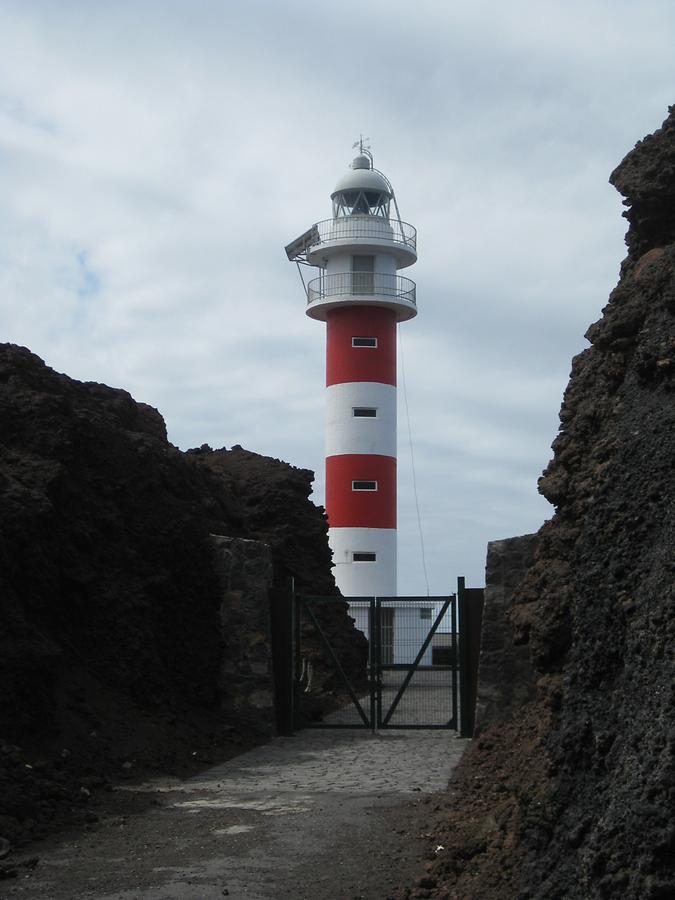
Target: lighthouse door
363, 274
386, 635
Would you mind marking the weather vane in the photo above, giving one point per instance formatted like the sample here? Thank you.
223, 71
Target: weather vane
359, 144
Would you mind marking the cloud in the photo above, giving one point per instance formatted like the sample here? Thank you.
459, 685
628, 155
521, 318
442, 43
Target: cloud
156, 157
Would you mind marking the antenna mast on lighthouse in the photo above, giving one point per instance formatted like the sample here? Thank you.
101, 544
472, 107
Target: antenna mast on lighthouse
361, 298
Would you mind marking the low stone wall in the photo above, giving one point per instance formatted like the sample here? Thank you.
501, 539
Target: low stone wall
505, 674
246, 675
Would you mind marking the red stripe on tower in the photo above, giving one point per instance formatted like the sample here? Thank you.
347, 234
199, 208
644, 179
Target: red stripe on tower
346, 362
351, 501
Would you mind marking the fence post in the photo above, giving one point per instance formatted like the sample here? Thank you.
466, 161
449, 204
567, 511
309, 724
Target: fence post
464, 677
373, 664
470, 605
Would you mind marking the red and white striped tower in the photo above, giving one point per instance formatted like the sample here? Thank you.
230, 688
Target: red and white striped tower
361, 298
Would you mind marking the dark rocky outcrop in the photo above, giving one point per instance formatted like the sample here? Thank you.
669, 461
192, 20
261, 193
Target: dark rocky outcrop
273, 508
505, 676
646, 179
597, 608
267, 500
571, 795
247, 668
131, 630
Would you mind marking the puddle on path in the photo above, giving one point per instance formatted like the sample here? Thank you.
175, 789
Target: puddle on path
272, 807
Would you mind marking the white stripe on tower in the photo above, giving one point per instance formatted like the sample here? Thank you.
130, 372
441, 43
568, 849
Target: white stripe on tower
361, 418
365, 579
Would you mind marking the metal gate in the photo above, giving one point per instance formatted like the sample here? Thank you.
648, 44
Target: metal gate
411, 689
396, 667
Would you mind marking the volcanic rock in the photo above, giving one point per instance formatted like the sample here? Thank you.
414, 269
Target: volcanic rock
570, 795
116, 626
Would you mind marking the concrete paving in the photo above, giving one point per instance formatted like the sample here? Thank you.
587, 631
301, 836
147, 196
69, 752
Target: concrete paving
344, 760
323, 814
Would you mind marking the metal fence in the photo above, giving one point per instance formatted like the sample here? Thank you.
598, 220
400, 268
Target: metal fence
398, 684
376, 662
361, 283
367, 227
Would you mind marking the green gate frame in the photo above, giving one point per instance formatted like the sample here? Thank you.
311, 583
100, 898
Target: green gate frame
466, 617
411, 668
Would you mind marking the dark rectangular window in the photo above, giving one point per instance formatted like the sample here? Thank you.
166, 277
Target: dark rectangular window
425, 612
364, 485
364, 342
364, 412
364, 557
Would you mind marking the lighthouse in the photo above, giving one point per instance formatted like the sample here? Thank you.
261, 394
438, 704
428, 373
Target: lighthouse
361, 297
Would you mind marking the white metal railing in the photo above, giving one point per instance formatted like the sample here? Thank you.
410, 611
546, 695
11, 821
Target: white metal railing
362, 226
377, 284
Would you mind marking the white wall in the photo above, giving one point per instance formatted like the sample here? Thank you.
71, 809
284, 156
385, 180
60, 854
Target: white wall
364, 579
410, 631
347, 434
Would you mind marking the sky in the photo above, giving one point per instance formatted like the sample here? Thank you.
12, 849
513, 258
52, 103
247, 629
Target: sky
156, 157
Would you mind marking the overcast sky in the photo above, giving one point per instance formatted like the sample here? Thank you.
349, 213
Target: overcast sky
155, 158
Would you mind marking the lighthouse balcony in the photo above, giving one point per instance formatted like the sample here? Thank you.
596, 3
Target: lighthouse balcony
362, 289
374, 233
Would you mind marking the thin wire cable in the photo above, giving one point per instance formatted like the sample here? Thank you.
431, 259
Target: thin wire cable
304, 286
412, 461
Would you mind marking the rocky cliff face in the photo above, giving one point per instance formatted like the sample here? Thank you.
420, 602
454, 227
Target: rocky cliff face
273, 508
267, 500
571, 796
127, 630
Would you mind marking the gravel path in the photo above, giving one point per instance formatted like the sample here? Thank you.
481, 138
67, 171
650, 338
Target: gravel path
328, 814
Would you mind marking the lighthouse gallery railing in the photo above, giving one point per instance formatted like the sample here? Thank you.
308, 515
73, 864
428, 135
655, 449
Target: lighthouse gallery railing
374, 284
367, 227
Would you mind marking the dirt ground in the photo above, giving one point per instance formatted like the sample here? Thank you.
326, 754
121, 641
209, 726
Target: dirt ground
350, 849
321, 815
